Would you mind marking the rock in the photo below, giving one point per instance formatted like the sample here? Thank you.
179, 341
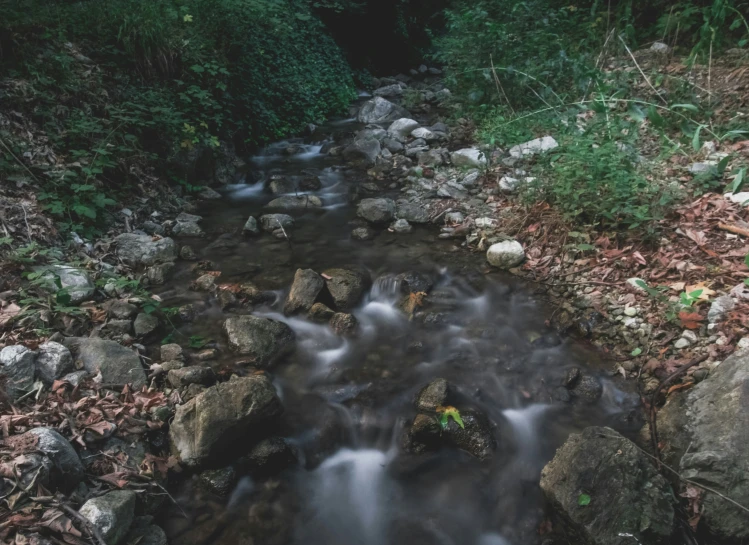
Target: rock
533, 147
187, 225
137, 250
111, 514
310, 183
468, 157
344, 324
401, 128
380, 110
17, 364
306, 287
377, 210
476, 437
703, 168
145, 533
116, 363
250, 227
171, 352
414, 282
69, 471
53, 362
76, 282
145, 324
660, 48
508, 184
269, 456
281, 185
394, 90
363, 233
153, 228
265, 340
719, 308
122, 310
195, 374
412, 212
295, 202
76, 377
401, 226
680, 344
271, 222
582, 386
392, 145
425, 434
363, 152
346, 287
506, 254
431, 158
158, 274
320, 313
425, 133
604, 488
739, 198
219, 481
452, 190
215, 424
455, 218
433, 395
187, 253
205, 282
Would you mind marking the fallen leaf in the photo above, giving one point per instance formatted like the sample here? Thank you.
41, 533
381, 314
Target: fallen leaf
706, 292
678, 286
8, 313
638, 257
690, 320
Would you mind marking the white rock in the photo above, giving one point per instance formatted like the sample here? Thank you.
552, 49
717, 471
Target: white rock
532, 147
424, 133
54, 361
701, 168
631, 323
17, 364
468, 157
690, 336
508, 184
681, 343
400, 128
660, 47
470, 179
720, 307
483, 223
738, 198
743, 343
506, 254
401, 226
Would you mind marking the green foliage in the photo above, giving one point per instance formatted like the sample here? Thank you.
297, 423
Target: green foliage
583, 500
447, 414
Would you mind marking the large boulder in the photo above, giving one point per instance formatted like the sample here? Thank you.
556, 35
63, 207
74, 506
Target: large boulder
506, 254
17, 364
380, 110
377, 210
216, 424
346, 287
116, 363
263, 339
137, 250
304, 291
704, 434
401, 128
608, 492
54, 361
68, 467
363, 151
74, 281
468, 157
295, 202
111, 514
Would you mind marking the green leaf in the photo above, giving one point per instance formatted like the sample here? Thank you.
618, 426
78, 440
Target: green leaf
690, 107
696, 138
63, 297
585, 247
583, 500
723, 164
636, 352
196, 341
447, 413
746, 260
738, 180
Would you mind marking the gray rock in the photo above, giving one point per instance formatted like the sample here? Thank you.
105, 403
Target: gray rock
76, 282
344, 324
153, 228
583, 386
145, 324
320, 313
137, 250
660, 48
68, 467
116, 363
195, 374
120, 327
377, 210
145, 533
425, 134
264, 340
159, 273
306, 287
720, 308
425, 434
363, 233
281, 185
346, 287
53, 362
394, 90
76, 377
250, 227
432, 158
209, 194
122, 310
468, 157
187, 253
219, 481
363, 152
17, 364
475, 437
380, 110
412, 212
295, 202
187, 225
452, 190
271, 222
414, 282
533, 147
401, 226
269, 456
111, 514
506, 254
401, 128
392, 145
171, 352
508, 184
213, 425
433, 395
629, 501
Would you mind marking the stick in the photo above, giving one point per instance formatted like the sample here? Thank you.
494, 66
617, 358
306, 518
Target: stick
734, 229
26, 220
641, 72
499, 84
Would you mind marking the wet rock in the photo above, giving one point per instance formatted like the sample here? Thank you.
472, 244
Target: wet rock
68, 469
206, 282
281, 185
264, 340
433, 395
363, 152
320, 313
271, 222
304, 291
720, 308
17, 364
582, 386
269, 456
310, 183
363, 233
145, 324
53, 362
377, 210
187, 225
137, 250
401, 226
213, 425
158, 274
143, 532
533, 147
187, 253
344, 324
476, 438
412, 212
468, 157
414, 282
506, 254
380, 110
250, 227
111, 514
627, 496
76, 282
295, 202
116, 363
179, 378
224, 244
425, 434
170, 352
209, 194
394, 90
346, 287
219, 481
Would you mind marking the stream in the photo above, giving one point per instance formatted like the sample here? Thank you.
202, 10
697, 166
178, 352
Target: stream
349, 401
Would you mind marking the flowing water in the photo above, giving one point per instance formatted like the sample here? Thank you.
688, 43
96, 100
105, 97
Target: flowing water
348, 401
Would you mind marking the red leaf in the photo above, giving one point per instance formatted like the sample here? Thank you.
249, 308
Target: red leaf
638, 257
690, 320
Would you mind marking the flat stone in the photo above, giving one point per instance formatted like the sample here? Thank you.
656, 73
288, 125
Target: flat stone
295, 202
379, 210
145, 324
137, 250
116, 363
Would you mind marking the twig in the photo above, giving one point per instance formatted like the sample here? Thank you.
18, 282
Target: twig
734, 229
654, 399
26, 220
499, 84
641, 72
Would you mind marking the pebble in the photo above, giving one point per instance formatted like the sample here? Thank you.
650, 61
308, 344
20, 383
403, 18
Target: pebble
743, 343
681, 343
631, 323
630, 311
690, 335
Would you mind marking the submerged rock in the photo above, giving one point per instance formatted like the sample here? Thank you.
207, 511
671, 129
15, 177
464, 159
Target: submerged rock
137, 250
607, 491
116, 363
344, 324
346, 287
215, 424
476, 437
268, 457
433, 395
377, 210
295, 202
250, 227
506, 254
111, 514
306, 287
219, 481
263, 339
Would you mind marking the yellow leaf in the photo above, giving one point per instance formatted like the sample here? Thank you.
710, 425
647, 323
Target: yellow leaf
678, 286
706, 292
